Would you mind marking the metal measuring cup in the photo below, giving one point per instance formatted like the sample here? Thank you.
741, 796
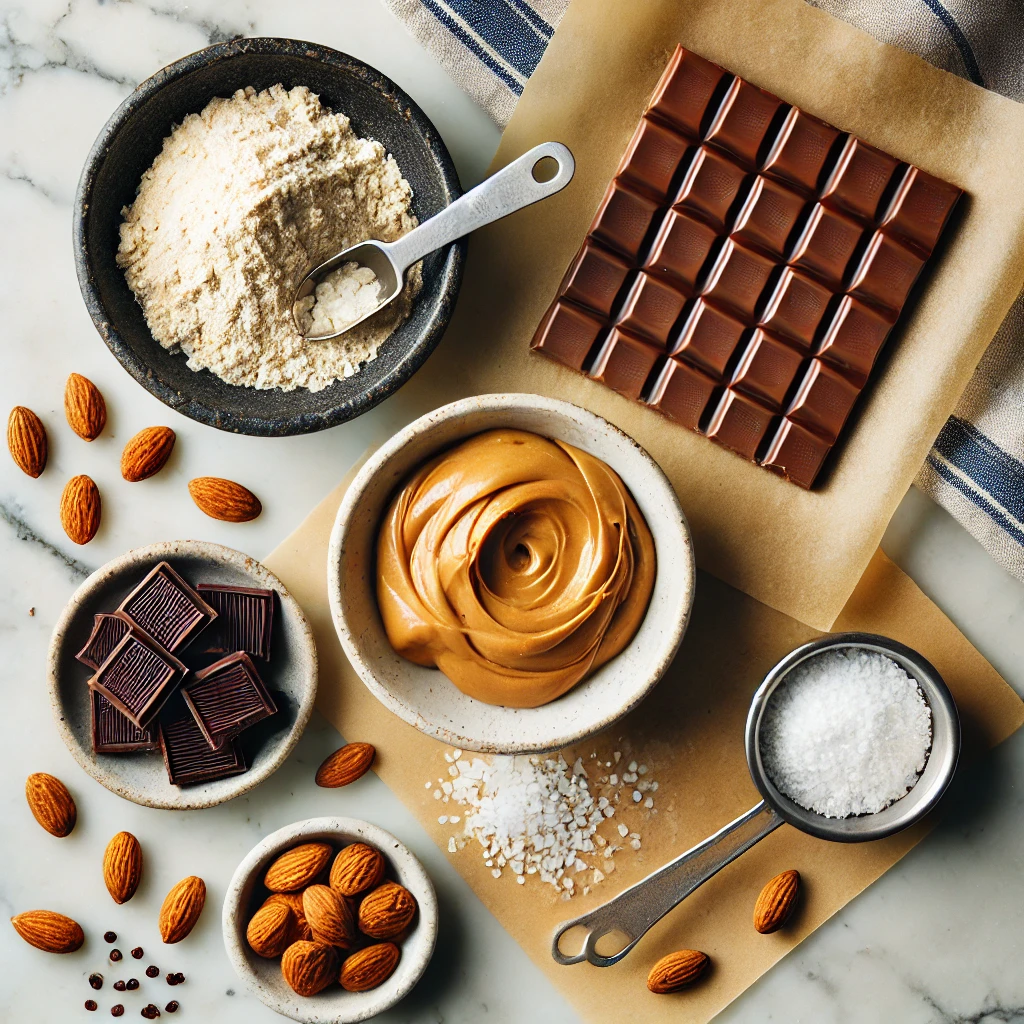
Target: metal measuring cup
626, 918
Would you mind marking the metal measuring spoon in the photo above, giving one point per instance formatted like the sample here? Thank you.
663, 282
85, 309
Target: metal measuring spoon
511, 189
638, 908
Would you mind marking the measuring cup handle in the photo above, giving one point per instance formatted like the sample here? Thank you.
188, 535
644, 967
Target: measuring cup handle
642, 905
510, 189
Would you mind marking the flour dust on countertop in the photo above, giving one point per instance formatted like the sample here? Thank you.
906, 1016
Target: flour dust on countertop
243, 200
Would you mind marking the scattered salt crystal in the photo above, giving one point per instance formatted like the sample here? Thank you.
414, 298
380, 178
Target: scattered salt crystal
642, 769
453, 818
521, 879
616, 755
427, 784
451, 844
613, 779
623, 831
654, 787
637, 796
443, 820
635, 844
648, 803
452, 770
456, 754
598, 876
496, 872
632, 766
448, 757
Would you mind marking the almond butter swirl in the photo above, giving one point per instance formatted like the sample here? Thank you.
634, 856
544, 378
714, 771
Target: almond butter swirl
514, 564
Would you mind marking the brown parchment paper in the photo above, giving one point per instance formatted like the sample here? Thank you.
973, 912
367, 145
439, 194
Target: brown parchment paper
690, 733
799, 552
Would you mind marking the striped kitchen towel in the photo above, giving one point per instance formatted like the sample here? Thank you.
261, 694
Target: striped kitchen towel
976, 468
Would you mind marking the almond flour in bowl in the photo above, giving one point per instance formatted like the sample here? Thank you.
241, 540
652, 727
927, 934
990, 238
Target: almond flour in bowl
243, 199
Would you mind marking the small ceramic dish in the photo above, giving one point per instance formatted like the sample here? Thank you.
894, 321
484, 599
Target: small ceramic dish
334, 1005
131, 140
423, 697
291, 675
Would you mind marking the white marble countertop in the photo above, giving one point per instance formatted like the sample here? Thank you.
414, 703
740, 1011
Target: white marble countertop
937, 939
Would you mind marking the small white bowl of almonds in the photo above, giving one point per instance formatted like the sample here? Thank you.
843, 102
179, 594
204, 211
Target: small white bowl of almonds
330, 920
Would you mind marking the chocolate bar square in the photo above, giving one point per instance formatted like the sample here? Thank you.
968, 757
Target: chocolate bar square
245, 620
188, 756
107, 632
227, 697
113, 733
167, 608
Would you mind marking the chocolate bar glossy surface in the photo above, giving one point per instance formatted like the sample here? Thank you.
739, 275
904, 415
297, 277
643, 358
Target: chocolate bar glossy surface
107, 633
113, 733
245, 620
188, 756
745, 268
228, 697
167, 608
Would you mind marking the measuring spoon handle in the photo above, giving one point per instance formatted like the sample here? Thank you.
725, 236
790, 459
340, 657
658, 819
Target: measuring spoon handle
642, 905
510, 189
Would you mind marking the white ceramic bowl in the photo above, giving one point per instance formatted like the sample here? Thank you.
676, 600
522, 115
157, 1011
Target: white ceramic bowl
334, 1005
291, 674
423, 697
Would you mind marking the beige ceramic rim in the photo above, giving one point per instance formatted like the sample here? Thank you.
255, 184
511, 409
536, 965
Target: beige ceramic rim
592, 705
260, 575
335, 1006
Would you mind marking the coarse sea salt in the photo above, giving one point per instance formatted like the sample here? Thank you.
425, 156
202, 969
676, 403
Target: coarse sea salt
847, 732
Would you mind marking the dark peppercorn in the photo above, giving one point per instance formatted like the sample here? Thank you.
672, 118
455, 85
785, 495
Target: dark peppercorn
138, 953
110, 936
119, 985
172, 1006
152, 971
132, 985
115, 955
90, 1004
96, 981
116, 1010
151, 1011
176, 978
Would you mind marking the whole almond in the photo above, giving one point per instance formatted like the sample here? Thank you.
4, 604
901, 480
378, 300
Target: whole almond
386, 911
356, 868
298, 867
345, 765
84, 407
293, 901
272, 929
49, 931
181, 909
80, 509
677, 970
369, 967
146, 453
224, 499
330, 916
309, 967
26, 440
122, 866
51, 804
776, 902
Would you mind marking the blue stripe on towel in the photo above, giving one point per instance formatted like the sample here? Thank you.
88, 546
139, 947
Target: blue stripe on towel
961, 41
532, 17
472, 45
994, 513
978, 457
504, 31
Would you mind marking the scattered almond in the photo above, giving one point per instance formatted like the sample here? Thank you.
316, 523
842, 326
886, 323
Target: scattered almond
272, 930
84, 407
776, 902
369, 967
356, 868
80, 509
309, 967
330, 916
224, 499
51, 804
26, 440
181, 909
122, 866
345, 765
677, 970
146, 453
293, 900
298, 867
49, 931
386, 911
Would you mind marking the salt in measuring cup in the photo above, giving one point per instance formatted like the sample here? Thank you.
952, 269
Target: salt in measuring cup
624, 920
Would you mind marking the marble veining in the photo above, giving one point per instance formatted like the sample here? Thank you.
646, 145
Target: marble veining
936, 941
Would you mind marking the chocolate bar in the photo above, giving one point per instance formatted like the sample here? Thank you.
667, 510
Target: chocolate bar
113, 733
107, 632
245, 620
745, 267
189, 758
138, 677
167, 608
228, 697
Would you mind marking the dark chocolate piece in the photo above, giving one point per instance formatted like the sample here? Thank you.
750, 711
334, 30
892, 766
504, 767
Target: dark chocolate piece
138, 677
188, 756
245, 620
113, 733
107, 632
167, 608
787, 254
227, 698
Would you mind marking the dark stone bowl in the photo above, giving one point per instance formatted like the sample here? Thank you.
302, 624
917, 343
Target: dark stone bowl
129, 143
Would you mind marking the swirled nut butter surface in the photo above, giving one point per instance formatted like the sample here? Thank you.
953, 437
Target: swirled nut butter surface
514, 564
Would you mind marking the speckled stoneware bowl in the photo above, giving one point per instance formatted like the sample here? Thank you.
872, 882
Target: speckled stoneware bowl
334, 1005
424, 697
133, 137
291, 675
